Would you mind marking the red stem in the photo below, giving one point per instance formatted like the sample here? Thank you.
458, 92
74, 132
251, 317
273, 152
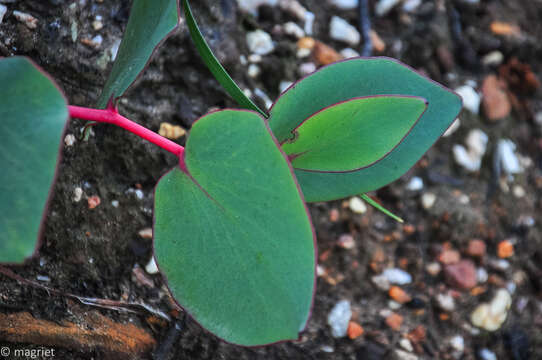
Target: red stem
111, 116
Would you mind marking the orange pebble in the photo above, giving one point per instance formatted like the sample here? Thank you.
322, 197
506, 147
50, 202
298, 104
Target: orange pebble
444, 316
399, 295
354, 330
505, 249
93, 201
394, 321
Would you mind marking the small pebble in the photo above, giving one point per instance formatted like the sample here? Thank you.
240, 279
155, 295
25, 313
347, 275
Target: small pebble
77, 194
115, 203
394, 305
254, 58
43, 278
348, 53
346, 241
471, 159
339, 317
93, 201
381, 282
415, 184
3, 10
394, 321
518, 191
341, 30
461, 275
486, 354
357, 205
259, 42
95, 42
251, 6
97, 24
495, 101
428, 200
262, 95
446, 302
499, 264
307, 68
505, 249
411, 5
458, 343
327, 349
27, 19
384, 6
494, 58
471, 99
284, 85
354, 330
151, 267
406, 344
449, 256
293, 7
476, 248
403, 355
253, 71
491, 316
433, 268
397, 276
507, 157
455, 125
399, 295
139, 194
145, 233
345, 4
481, 275
171, 131
292, 29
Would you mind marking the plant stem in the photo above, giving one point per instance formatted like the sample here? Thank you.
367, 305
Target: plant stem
111, 116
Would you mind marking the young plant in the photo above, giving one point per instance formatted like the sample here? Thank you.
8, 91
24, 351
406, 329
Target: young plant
232, 234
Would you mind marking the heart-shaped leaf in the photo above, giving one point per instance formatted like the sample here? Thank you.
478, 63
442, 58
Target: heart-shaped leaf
232, 235
357, 78
353, 134
150, 23
33, 113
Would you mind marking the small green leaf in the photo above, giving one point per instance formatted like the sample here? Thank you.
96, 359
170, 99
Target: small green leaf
353, 134
357, 78
150, 22
218, 71
376, 205
233, 237
33, 113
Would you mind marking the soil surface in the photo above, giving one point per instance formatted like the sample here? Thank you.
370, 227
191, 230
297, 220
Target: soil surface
100, 253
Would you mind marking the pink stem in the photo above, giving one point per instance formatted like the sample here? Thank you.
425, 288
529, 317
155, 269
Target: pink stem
111, 116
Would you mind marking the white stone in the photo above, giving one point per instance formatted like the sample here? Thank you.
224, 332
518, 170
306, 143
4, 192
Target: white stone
258, 92
348, 53
403, 355
339, 317
446, 302
327, 349
345, 4
397, 276
457, 343
346, 241
291, 28
293, 7
491, 316
284, 85
151, 267
433, 268
415, 184
254, 70
477, 142
357, 205
455, 125
411, 5
307, 68
481, 275
251, 6
3, 10
114, 50
341, 30
471, 99
27, 19
303, 53
115, 203
381, 282
394, 305
428, 200
406, 344
309, 22
500, 264
507, 157
259, 42
69, 140
255, 58
77, 194
97, 24
463, 158
518, 191
494, 58
486, 354
471, 159
139, 194
384, 6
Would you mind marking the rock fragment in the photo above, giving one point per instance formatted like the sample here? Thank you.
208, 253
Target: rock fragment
339, 317
491, 316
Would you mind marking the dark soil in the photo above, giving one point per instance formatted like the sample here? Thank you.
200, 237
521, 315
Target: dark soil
92, 253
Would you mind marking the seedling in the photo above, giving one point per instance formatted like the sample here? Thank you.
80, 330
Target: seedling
232, 233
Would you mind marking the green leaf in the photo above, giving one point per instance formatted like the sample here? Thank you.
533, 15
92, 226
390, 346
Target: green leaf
353, 134
356, 78
376, 205
233, 236
33, 113
218, 71
150, 23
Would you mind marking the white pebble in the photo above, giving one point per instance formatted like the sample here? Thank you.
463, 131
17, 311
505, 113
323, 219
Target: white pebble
403, 355
507, 158
458, 343
255, 58
97, 24
294, 8
307, 68
258, 92
77, 194
292, 29
346, 241
341, 30
151, 267
471, 159
27, 19
284, 85
433, 268
397, 276
486, 354
384, 6
251, 6
357, 205
494, 58
115, 203
471, 99
411, 5
428, 200
69, 140
3, 10
415, 184
327, 349
481, 275
43, 278
394, 305
139, 194
309, 22
446, 302
254, 70
518, 191
339, 317
406, 344
348, 53
114, 50
381, 282
345, 4
491, 316
303, 53
477, 142
500, 264
455, 125
259, 42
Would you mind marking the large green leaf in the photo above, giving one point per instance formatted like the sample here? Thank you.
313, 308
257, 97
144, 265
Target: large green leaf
150, 22
218, 71
33, 114
233, 236
355, 78
353, 134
